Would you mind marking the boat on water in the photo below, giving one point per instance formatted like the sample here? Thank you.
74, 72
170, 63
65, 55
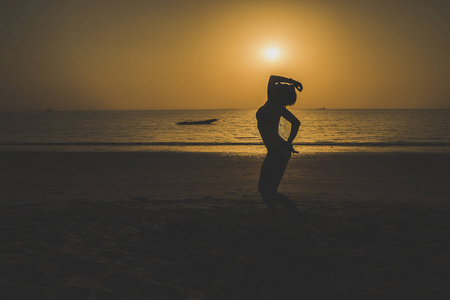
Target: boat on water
201, 122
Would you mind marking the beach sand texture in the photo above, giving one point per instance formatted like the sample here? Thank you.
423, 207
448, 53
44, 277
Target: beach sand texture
171, 225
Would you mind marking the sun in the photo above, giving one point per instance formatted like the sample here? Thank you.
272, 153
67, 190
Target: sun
272, 53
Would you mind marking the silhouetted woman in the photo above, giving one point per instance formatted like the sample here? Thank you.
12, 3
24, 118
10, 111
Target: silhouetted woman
280, 93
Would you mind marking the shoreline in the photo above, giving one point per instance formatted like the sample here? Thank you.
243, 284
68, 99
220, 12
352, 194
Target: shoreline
240, 149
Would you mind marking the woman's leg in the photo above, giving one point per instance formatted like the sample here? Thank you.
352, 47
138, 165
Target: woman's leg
266, 187
287, 204
272, 171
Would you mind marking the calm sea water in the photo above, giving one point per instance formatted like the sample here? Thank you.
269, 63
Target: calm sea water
235, 129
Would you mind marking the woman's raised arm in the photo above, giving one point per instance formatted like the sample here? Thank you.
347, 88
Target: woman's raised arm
274, 79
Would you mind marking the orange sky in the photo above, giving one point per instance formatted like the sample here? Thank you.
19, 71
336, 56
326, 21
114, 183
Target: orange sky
140, 54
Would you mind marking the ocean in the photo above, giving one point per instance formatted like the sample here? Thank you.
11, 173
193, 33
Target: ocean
235, 130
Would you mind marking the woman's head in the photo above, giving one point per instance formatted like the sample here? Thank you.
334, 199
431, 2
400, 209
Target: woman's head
284, 94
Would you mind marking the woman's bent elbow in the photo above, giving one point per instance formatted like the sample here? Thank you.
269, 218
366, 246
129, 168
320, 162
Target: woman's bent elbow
296, 124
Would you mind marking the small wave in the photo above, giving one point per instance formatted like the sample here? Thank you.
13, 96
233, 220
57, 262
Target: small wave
326, 143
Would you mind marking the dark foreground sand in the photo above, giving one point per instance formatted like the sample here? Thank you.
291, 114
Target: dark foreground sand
191, 226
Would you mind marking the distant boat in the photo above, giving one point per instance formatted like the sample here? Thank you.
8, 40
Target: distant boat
321, 108
202, 122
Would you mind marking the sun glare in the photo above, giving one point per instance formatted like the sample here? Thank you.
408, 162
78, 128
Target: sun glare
272, 53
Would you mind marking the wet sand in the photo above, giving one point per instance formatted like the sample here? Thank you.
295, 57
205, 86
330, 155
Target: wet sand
169, 225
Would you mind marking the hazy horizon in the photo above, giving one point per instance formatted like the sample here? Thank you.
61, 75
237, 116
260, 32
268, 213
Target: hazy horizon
165, 55
198, 109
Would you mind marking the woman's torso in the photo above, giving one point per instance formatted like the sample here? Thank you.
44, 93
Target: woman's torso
268, 117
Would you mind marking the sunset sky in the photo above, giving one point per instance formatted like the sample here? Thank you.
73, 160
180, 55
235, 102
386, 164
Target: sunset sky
202, 54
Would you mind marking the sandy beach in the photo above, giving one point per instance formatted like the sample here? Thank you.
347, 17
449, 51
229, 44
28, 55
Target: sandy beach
172, 225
